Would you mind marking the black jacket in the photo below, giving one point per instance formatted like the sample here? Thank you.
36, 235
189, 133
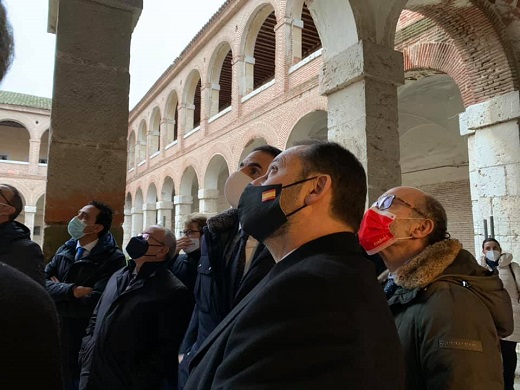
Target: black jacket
29, 337
135, 332
450, 313
318, 320
184, 267
213, 298
91, 271
17, 250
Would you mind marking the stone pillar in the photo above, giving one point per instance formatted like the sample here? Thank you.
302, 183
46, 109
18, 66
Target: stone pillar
296, 48
283, 53
238, 85
205, 90
137, 221
208, 201
30, 213
150, 215
492, 128
89, 120
164, 214
34, 155
215, 95
361, 87
127, 227
183, 204
249, 73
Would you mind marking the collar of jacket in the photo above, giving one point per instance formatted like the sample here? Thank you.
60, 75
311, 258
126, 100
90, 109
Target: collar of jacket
427, 265
12, 231
147, 269
223, 221
106, 242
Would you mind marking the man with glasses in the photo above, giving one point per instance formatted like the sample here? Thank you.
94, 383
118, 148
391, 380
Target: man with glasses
449, 311
136, 329
16, 247
77, 275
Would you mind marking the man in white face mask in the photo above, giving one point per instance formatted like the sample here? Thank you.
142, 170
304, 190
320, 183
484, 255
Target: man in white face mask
231, 263
77, 275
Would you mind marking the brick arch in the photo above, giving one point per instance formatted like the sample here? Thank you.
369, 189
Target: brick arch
473, 31
446, 58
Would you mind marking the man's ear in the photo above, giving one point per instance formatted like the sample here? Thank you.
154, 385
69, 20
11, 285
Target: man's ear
97, 228
423, 228
321, 187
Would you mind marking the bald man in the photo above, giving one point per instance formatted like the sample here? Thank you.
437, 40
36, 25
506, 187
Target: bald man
449, 311
136, 329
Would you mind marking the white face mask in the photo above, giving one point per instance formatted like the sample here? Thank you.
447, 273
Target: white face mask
234, 187
195, 245
493, 255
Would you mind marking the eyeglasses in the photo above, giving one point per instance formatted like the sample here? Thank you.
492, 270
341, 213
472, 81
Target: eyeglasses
385, 202
7, 200
190, 232
147, 236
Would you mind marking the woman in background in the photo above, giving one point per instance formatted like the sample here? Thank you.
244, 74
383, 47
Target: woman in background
509, 272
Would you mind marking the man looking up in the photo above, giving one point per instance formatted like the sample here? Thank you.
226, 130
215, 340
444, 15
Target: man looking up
77, 276
134, 335
319, 319
231, 262
16, 247
449, 311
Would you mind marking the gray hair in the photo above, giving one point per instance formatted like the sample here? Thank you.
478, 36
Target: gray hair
171, 242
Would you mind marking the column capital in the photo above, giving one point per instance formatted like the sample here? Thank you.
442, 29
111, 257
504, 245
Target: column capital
136, 210
364, 60
149, 207
29, 209
496, 110
164, 205
208, 193
183, 199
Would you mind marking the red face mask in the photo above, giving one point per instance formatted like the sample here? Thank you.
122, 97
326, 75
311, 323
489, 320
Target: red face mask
374, 232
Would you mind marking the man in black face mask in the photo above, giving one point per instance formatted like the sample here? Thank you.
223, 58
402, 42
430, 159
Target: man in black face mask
136, 329
231, 262
319, 319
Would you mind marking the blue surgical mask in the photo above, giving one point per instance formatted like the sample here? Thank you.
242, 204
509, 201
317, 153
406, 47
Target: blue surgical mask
76, 228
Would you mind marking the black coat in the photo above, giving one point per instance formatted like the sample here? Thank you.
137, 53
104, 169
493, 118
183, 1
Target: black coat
29, 336
319, 320
184, 267
17, 250
134, 335
213, 297
91, 271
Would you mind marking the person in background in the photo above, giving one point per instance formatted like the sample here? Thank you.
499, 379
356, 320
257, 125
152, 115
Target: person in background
231, 263
449, 311
509, 272
134, 335
184, 266
29, 337
77, 276
16, 247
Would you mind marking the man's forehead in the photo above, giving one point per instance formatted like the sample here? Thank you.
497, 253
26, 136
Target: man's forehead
155, 232
89, 209
257, 158
408, 194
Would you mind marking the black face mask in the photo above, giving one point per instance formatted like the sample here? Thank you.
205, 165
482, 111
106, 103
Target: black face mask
259, 209
137, 247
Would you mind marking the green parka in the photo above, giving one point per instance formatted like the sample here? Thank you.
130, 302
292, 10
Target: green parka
450, 313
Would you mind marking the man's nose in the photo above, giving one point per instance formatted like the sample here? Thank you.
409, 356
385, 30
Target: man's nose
259, 180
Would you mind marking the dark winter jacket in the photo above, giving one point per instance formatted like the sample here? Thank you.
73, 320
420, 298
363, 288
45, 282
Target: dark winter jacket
317, 321
134, 335
29, 337
213, 297
17, 250
91, 271
184, 267
450, 313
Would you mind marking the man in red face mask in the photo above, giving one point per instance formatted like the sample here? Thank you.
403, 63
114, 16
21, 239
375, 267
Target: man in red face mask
449, 311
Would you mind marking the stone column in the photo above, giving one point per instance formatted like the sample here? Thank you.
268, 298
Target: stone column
137, 221
215, 95
34, 155
361, 87
30, 213
183, 204
205, 90
296, 48
249, 72
283, 53
238, 85
150, 215
127, 227
208, 201
492, 128
89, 120
164, 214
